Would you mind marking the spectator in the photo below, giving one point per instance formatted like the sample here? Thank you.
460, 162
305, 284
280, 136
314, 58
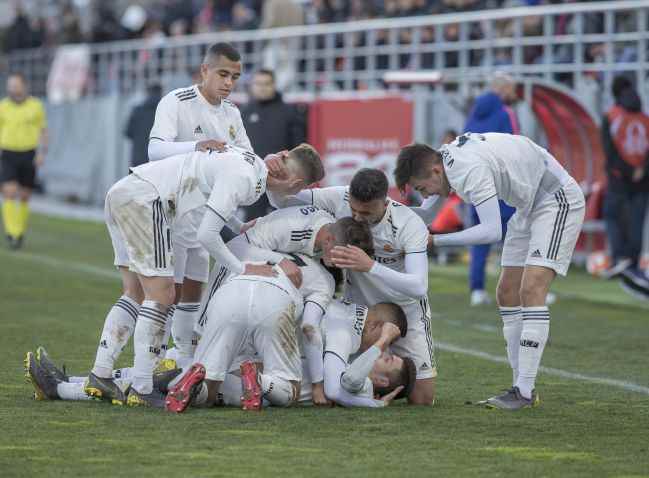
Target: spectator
490, 114
70, 25
19, 34
625, 136
139, 125
272, 126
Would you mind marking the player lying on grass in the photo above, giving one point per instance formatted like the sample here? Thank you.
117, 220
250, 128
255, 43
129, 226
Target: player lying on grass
305, 230
141, 210
540, 240
397, 271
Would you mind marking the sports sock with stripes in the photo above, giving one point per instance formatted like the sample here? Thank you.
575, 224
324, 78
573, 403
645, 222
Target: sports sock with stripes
182, 331
118, 328
171, 314
536, 328
149, 333
512, 326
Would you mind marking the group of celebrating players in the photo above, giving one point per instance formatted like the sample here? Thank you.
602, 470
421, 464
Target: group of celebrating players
267, 330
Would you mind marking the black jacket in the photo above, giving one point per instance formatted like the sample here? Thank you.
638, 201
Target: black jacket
273, 125
138, 128
619, 172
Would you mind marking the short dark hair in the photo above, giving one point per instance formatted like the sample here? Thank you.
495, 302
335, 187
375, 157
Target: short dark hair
267, 72
406, 376
620, 83
19, 75
349, 231
222, 49
389, 312
309, 162
414, 161
369, 184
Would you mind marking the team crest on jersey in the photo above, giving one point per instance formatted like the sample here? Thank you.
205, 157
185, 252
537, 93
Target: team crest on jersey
388, 248
233, 133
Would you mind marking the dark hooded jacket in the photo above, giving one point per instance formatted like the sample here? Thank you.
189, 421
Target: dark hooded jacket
489, 115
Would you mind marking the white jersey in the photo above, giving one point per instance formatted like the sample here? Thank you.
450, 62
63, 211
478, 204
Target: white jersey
400, 232
513, 168
185, 115
318, 285
222, 181
293, 229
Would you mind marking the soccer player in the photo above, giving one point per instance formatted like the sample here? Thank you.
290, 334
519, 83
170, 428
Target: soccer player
23, 146
307, 230
197, 118
541, 237
398, 270
141, 210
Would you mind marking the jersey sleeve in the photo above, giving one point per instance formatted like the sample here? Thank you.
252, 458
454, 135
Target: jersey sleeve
329, 198
269, 232
165, 125
479, 185
414, 236
338, 339
321, 287
241, 136
232, 188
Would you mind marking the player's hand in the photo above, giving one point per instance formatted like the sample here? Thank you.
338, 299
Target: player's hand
247, 225
389, 333
387, 399
275, 164
39, 159
351, 257
264, 270
638, 174
292, 271
318, 396
210, 145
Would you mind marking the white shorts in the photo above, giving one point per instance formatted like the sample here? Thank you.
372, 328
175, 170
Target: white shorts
247, 314
548, 235
138, 228
191, 263
418, 343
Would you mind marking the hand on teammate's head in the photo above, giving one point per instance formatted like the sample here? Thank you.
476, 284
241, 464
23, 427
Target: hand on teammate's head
276, 166
292, 271
351, 257
390, 332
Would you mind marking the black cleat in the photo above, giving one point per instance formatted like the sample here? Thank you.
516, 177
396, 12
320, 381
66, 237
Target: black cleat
161, 380
154, 399
46, 362
104, 389
43, 382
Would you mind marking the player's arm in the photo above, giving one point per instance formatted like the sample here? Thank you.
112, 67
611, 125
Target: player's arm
427, 211
162, 138
313, 346
241, 136
334, 368
488, 231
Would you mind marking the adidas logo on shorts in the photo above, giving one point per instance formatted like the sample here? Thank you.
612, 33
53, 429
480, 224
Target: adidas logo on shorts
536, 253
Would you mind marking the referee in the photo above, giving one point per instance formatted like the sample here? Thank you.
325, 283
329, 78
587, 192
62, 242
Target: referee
23, 145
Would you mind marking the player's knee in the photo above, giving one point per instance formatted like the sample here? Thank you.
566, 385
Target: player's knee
533, 292
507, 294
423, 393
10, 190
191, 291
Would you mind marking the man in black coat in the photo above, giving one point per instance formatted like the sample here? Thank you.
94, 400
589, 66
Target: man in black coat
140, 123
272, 126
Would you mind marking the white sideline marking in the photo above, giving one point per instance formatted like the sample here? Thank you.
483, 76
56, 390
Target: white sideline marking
632, 387
64, 265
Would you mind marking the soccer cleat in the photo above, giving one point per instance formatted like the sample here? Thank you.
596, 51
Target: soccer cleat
250, 387
512, 400
617, 269
161, 380
44, 384
165, 365
104, 389
480, 297
181, 394
46, 362
153, 400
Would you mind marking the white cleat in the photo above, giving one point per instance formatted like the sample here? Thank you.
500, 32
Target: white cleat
480, 297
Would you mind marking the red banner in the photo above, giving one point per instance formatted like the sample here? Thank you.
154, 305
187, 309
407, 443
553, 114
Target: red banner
361, 133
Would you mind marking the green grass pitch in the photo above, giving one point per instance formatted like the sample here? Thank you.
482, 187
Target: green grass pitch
57, 291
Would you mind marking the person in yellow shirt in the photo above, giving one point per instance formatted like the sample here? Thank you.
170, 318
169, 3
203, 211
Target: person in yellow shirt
23, 145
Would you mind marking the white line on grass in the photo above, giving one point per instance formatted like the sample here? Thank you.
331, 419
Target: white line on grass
64, 265
632, 387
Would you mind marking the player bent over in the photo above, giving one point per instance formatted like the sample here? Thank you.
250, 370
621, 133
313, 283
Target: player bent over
141, 211
540, 240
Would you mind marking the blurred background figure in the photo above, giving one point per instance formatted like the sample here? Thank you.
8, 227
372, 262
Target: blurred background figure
272, 126
490, 114
23, 146
139, 125
625, 137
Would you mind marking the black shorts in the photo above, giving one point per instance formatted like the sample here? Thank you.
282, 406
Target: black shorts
18, 167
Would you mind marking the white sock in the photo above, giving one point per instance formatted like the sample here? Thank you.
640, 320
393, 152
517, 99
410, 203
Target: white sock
512, 326
118, 328
536, 328
279, 392
149, 333
182, 331
165, 340
125, 373
72, 391
201, 397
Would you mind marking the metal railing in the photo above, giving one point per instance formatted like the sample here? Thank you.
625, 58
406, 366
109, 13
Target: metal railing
570, 43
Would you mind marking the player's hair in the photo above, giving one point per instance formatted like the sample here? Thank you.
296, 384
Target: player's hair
406, 376
222, 49
307, 159
414, 161
350, 232
369, 184
19, 75
267, 72
389, 312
